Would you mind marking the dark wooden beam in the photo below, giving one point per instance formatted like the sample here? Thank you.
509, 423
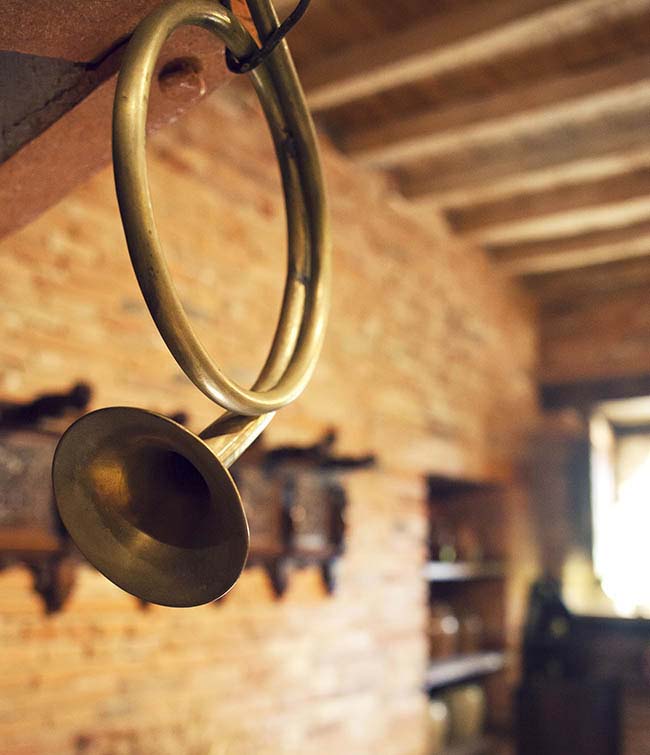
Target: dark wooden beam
78, 30
75, 146
624, 429
585, 394
55, 114
36, 91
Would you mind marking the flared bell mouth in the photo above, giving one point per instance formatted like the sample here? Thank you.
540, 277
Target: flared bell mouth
150, 506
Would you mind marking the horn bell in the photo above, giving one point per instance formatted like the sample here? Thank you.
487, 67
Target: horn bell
150, 506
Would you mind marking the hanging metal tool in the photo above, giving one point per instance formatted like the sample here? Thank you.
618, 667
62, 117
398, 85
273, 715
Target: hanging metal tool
150, 504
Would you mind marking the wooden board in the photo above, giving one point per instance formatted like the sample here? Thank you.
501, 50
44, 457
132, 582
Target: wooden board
58, 72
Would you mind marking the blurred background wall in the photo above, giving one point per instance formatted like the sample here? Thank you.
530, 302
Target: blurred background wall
428, 363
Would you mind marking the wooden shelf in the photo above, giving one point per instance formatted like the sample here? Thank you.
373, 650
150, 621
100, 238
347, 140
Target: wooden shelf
473, 587
462, 668
462, 571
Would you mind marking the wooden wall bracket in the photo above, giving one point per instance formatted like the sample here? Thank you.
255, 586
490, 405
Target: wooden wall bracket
294, 499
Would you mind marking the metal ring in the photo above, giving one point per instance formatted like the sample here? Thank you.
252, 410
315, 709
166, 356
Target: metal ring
300, 329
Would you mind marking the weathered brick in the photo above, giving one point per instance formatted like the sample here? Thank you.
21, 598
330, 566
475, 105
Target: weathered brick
427, 363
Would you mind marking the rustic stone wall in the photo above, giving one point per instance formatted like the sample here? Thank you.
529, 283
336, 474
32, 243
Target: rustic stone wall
428, 363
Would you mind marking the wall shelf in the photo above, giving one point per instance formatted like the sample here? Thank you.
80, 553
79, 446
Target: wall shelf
463, 668
462, 571
467, 599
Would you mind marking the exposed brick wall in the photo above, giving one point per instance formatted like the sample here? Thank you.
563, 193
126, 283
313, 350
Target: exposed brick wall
427, 362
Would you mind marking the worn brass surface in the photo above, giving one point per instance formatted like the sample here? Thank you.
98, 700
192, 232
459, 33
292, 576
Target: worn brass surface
151, 505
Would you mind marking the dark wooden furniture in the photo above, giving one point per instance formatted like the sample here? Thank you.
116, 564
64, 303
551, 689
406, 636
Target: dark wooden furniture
571, 700
568, 717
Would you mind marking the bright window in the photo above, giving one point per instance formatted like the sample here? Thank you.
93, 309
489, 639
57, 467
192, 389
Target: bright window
621, 507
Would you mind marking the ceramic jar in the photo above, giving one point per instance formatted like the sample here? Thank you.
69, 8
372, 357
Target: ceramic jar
442, 631
470, 635
438, 725
467, 708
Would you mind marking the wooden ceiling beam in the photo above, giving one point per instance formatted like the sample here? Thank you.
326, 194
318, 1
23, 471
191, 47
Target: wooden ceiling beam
56, 130
555, 260
554, 290
423, 134
568, 192
595, 218
608, 123
456, 37
584, 168
586, 393
78, 30
435, 45
581, 250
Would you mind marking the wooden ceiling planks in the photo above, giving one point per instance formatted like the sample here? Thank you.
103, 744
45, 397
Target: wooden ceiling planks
592, 219
432, 45
578, 250
564, 37
609, 122
626, 179
420, 134
554, 290
525, 122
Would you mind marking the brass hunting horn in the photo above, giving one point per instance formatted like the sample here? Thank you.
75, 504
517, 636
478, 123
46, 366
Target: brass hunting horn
150, 504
